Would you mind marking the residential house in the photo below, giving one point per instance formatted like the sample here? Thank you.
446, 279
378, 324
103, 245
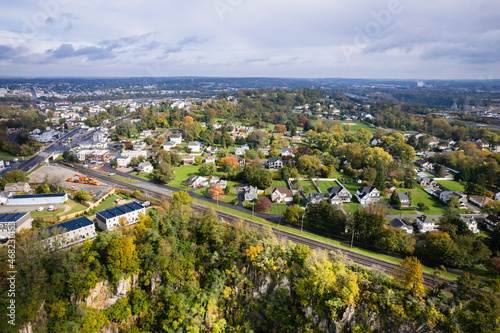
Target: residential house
238, 151
2, 165
338, 194
471, 223
265, 150
196, 181
14, 222
250, 193
426, 182
217, 181
68, 233
497, 196
134, 153
375, 142
188, 159
424, 164
139, 145
447, 195
146, 133
17, 187
286, 152
100, 136
491, 222
425, 223
129, 213
367, 195
210, 159
281, 195
274, 163
403, 199
145, 167
315, 198
123, 161
168, 145
195, 146
480, 200
390, 188
399, 224
211, 150
296, 139
176, 138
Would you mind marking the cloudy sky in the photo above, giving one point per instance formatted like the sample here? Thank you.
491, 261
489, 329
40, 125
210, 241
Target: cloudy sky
414, 39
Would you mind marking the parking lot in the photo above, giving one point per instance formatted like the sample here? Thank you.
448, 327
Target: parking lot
58, 175
25, 208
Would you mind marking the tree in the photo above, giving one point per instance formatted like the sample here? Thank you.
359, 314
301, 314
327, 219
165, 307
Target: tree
438, 170
14, 176
257, 139
395, 199
453, 202
82, 195
366, 225
126, 129
115, 164
208, 169
181, 198
380, 180
263, 204
163, 173
292, 214
221, 153
473, 188
198, 160
308, 164
261, 178
215, 191
325, 216
229, 160
376, 158
280, 128
69, 157
409, 274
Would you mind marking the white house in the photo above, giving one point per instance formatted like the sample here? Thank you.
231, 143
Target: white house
168, 145
134, 153
367, 195
285, 152
281, 194
69, 233
338, 194
145, 167
425, 223
275, 163
146, 133
110, 218
447, 195
471, 223
403, 199
139, 145
399, 224
123, 161
195, 146
100, 136
241, 150
176, 138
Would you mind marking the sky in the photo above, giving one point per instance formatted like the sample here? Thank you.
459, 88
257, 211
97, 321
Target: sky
396, 39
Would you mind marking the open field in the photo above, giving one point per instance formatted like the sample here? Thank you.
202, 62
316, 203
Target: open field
452, 185
307, 186
325, 185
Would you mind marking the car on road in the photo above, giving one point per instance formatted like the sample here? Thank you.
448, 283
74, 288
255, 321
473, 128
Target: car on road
15, 160
40, 209
111, 174
51, 208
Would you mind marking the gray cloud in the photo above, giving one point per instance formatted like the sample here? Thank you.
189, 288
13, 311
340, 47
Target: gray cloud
9, 52
90, 52
184, 42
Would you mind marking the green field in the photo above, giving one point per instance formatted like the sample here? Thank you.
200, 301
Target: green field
277, 208
325, 185
351, 207
126, 179
145, 176
276, 183
436, 207
109, 201
75, 208
307, 186
452, 185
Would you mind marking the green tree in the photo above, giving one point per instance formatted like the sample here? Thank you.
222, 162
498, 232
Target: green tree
366, 225
325, 216
82, 195
163, 173
292, 214
208, 169
181, 198
14, 176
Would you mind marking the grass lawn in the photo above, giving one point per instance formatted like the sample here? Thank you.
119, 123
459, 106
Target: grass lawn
452, 185
277, 208
312, 236
351, 207
125, 179
75, 208
108, 202
324, 185
436, 207
145, 176
307, 186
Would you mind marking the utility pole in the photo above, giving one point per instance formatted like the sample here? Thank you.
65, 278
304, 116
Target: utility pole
302, 224
352, 239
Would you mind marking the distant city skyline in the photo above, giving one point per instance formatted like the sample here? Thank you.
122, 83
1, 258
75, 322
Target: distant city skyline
393, 39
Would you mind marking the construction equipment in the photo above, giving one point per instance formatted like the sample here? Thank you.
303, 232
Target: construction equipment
82, 180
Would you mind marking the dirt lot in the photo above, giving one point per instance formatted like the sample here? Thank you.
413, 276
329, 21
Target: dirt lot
59, 174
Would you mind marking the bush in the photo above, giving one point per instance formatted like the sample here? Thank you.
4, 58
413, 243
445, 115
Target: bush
263, 204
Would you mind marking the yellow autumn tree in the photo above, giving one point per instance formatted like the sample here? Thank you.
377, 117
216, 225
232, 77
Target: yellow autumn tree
409, 274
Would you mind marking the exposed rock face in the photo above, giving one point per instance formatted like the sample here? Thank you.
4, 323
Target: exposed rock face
102, 296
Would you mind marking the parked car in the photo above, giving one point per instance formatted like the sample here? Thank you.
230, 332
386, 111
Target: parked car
40, 209
51, 208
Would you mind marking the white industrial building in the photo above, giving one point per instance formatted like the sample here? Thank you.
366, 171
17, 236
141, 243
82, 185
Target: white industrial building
110, 218
38, 199
69, 233
14, 222
123, 161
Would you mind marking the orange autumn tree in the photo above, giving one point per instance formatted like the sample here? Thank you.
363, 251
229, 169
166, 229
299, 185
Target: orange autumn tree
215, 191
231, 160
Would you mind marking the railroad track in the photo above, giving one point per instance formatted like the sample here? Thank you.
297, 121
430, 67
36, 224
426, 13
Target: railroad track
357, 258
